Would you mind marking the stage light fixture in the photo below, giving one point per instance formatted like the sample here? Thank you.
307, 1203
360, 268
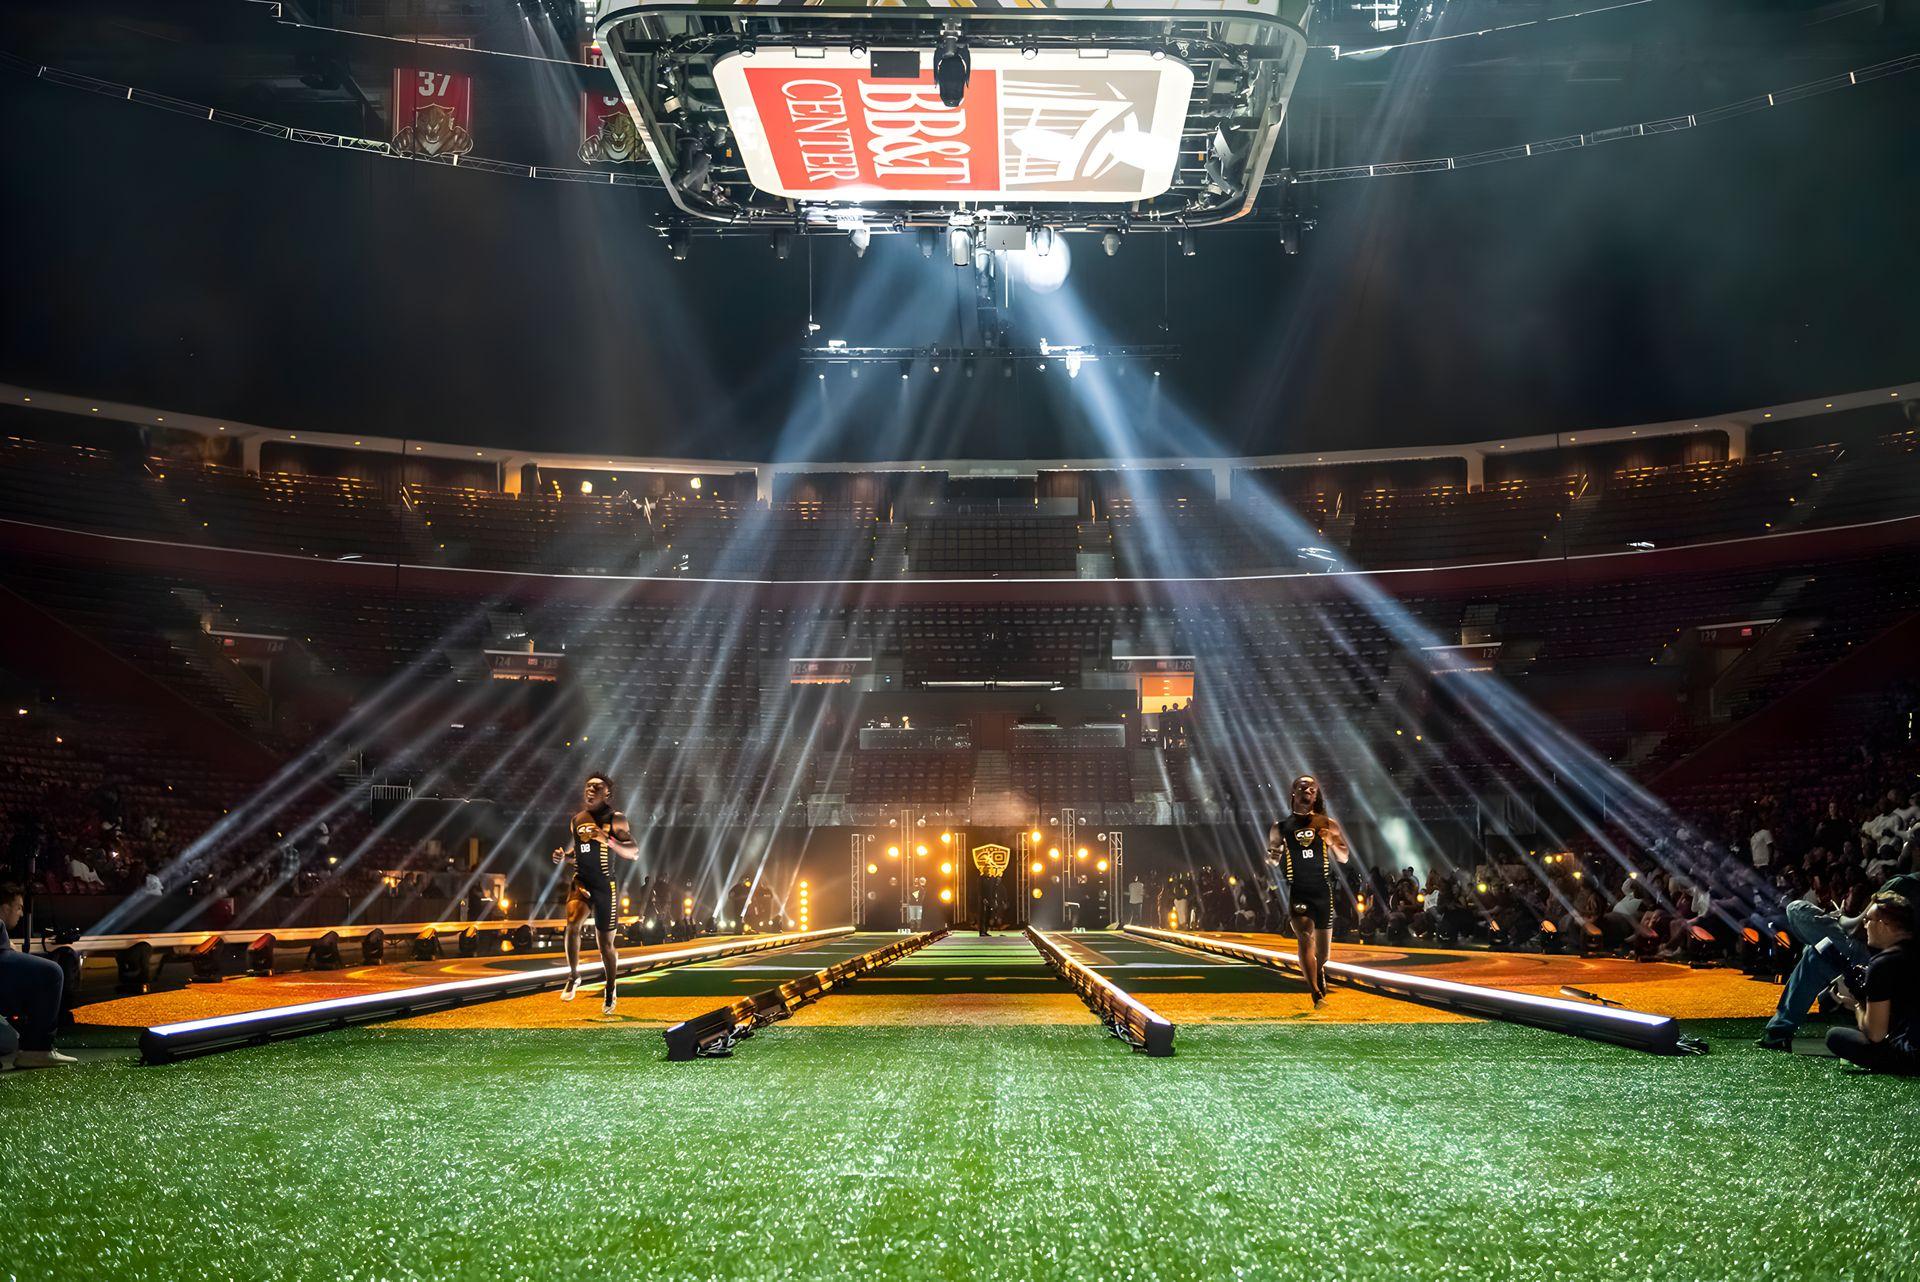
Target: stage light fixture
260, 956
952, 67
926, 246
920, 850
1111, 243
1035, 834
426, 945
1038, 867
469, 945
1029, 52
893, 852
782, 245
373, 947
946, 895
960, 246
132, 967
1101, 866
679, 244
946, 868
324, 954
205, 959
1184, 239
861, 235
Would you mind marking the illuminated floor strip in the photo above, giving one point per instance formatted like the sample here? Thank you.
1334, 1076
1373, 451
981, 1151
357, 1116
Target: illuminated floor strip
1655, 1033
166, 1042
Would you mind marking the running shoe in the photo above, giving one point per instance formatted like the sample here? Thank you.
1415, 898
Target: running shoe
606, 1003
566, 993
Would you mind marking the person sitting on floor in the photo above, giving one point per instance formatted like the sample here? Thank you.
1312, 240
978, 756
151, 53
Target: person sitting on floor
31, 991
1883, 1008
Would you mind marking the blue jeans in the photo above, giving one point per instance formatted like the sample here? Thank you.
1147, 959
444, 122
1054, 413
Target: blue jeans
31, 988
1810, 975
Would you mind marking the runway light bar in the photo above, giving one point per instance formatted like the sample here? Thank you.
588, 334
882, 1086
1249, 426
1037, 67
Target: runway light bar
165, 1043
1125, 1015
713, 1034
1658, 1034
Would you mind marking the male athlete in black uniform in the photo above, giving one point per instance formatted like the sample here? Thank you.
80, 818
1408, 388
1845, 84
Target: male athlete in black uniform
1297, 846
599, 833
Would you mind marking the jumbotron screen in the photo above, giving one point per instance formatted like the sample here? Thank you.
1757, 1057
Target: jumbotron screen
1092, 125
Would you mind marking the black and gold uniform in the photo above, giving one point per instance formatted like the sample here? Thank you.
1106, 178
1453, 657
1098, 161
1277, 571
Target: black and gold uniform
1300, 847
593, 878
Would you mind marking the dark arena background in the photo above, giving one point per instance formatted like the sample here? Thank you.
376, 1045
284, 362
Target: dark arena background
679, 639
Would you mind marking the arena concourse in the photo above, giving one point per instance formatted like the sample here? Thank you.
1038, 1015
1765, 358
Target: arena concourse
568, 777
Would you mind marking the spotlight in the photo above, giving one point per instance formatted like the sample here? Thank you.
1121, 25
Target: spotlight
952, 65
522, 938
861, 235
1029, 52
373, 947
260, 956
325, 953
205, 959
782, 245
679, 244
132, 967
1111, 243
586, 487
697, 175
469, 945
926, 246
1184, 239
426, 945
960, 246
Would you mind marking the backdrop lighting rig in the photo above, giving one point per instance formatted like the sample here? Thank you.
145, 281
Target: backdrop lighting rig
1070, 115
1069, 358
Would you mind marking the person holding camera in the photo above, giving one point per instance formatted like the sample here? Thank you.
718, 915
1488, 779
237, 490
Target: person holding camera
1808, 923
1881, 995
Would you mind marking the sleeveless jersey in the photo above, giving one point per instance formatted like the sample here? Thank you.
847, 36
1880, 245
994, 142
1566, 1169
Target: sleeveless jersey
1303, 854
592, 857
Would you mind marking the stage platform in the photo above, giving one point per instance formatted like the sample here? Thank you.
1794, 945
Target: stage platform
1001, 979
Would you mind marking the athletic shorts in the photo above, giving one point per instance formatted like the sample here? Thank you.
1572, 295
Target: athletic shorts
1314, 905
600, 898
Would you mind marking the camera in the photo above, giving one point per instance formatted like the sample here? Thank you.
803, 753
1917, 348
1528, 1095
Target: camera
1853, 977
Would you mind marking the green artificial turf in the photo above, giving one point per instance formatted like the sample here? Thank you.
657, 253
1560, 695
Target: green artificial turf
1423, 1151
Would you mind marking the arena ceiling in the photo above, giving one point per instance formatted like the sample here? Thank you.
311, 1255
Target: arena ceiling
156, 258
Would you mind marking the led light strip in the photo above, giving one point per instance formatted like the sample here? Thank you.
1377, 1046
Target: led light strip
1659, 1034
1156, 1031
165, 1042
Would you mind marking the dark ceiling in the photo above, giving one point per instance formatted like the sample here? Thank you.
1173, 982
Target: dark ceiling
154, 257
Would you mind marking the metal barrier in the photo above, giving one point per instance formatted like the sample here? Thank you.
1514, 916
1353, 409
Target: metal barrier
165, 1043
1125, 1015
1658, 1034
713, 1034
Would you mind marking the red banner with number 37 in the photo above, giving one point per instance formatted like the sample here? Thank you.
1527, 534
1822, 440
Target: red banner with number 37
415, 91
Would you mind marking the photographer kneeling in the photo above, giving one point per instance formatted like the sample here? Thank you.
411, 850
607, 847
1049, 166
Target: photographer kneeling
1881, 995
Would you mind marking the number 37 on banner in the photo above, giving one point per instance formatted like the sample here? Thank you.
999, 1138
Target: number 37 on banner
433, 110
